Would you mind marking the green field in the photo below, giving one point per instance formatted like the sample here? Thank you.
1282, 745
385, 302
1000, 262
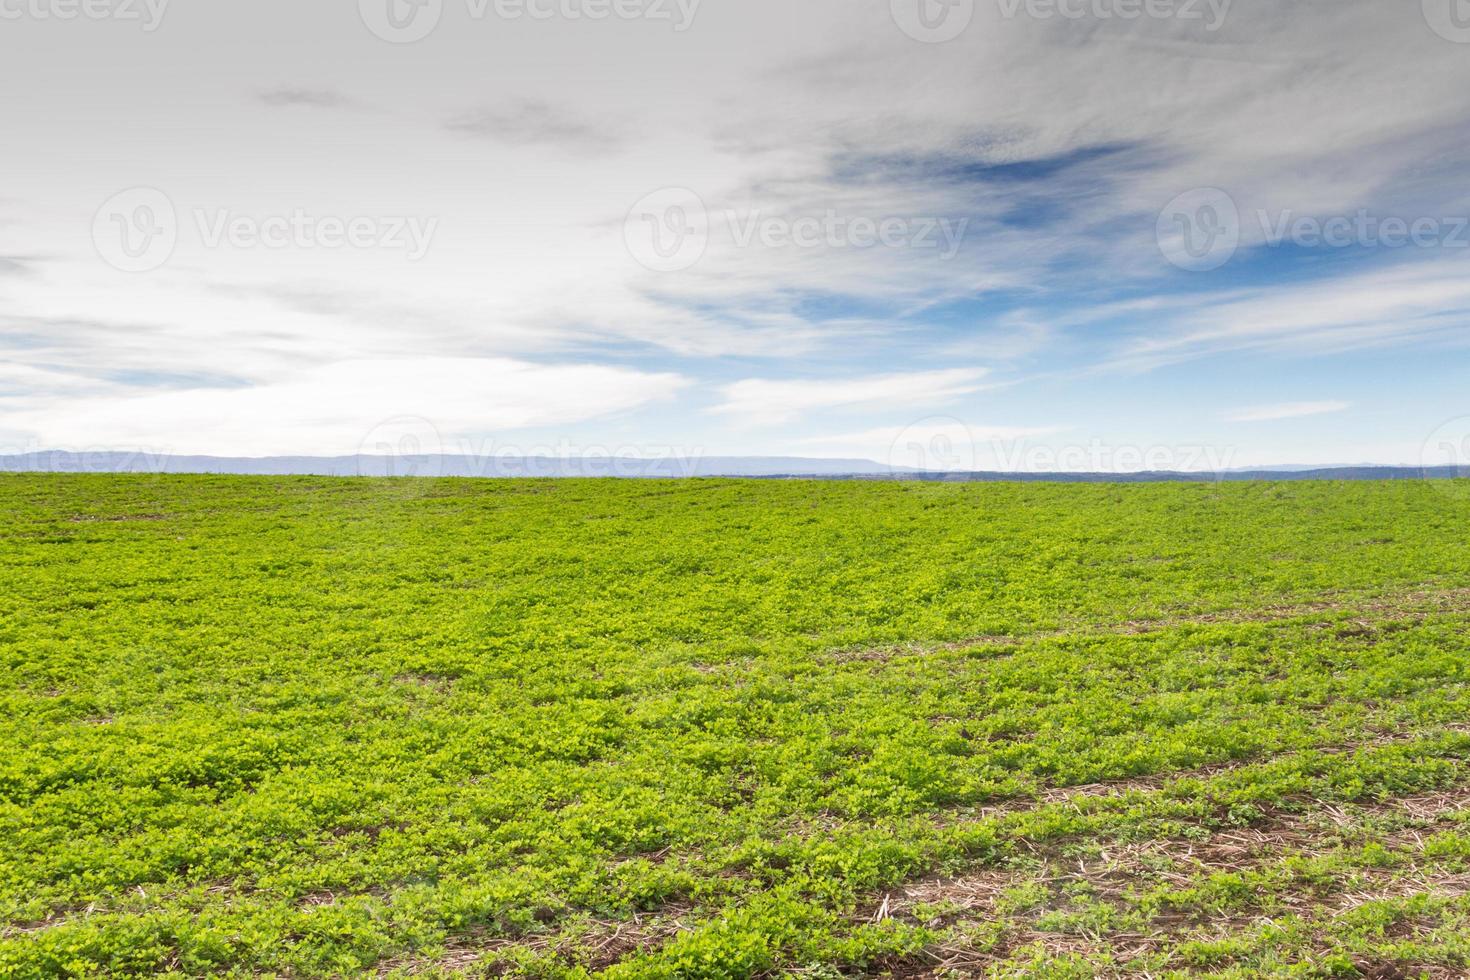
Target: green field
722, 729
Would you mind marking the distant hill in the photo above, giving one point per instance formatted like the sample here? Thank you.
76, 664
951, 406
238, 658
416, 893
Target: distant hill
1230, 476
456, 466
767, 467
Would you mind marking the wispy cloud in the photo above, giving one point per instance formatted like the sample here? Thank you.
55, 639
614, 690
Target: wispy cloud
15, 265
1352, 310
316, 98
535, 123
534, 146
1286, 410
758, 401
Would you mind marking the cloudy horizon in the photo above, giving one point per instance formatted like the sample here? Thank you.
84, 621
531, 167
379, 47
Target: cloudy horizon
961, 234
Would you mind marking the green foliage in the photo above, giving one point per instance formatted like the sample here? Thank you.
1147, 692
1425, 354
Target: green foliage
317, 727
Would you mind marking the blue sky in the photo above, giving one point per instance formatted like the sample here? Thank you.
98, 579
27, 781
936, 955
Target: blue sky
1000, 235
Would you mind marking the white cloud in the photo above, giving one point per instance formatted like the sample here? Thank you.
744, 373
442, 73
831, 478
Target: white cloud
338, 409
1286, 410
1307, 108
1341, 313
1296, 107
763, 402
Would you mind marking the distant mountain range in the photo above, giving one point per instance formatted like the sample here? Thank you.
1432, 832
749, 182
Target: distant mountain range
665, 468
672, 466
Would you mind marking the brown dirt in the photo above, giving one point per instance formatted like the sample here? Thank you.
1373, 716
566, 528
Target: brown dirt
1116, 871
1414, 604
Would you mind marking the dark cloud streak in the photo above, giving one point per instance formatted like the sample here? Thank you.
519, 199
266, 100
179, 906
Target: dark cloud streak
306, 97
535, 123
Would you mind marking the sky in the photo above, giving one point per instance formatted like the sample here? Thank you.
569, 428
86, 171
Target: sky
950, 234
